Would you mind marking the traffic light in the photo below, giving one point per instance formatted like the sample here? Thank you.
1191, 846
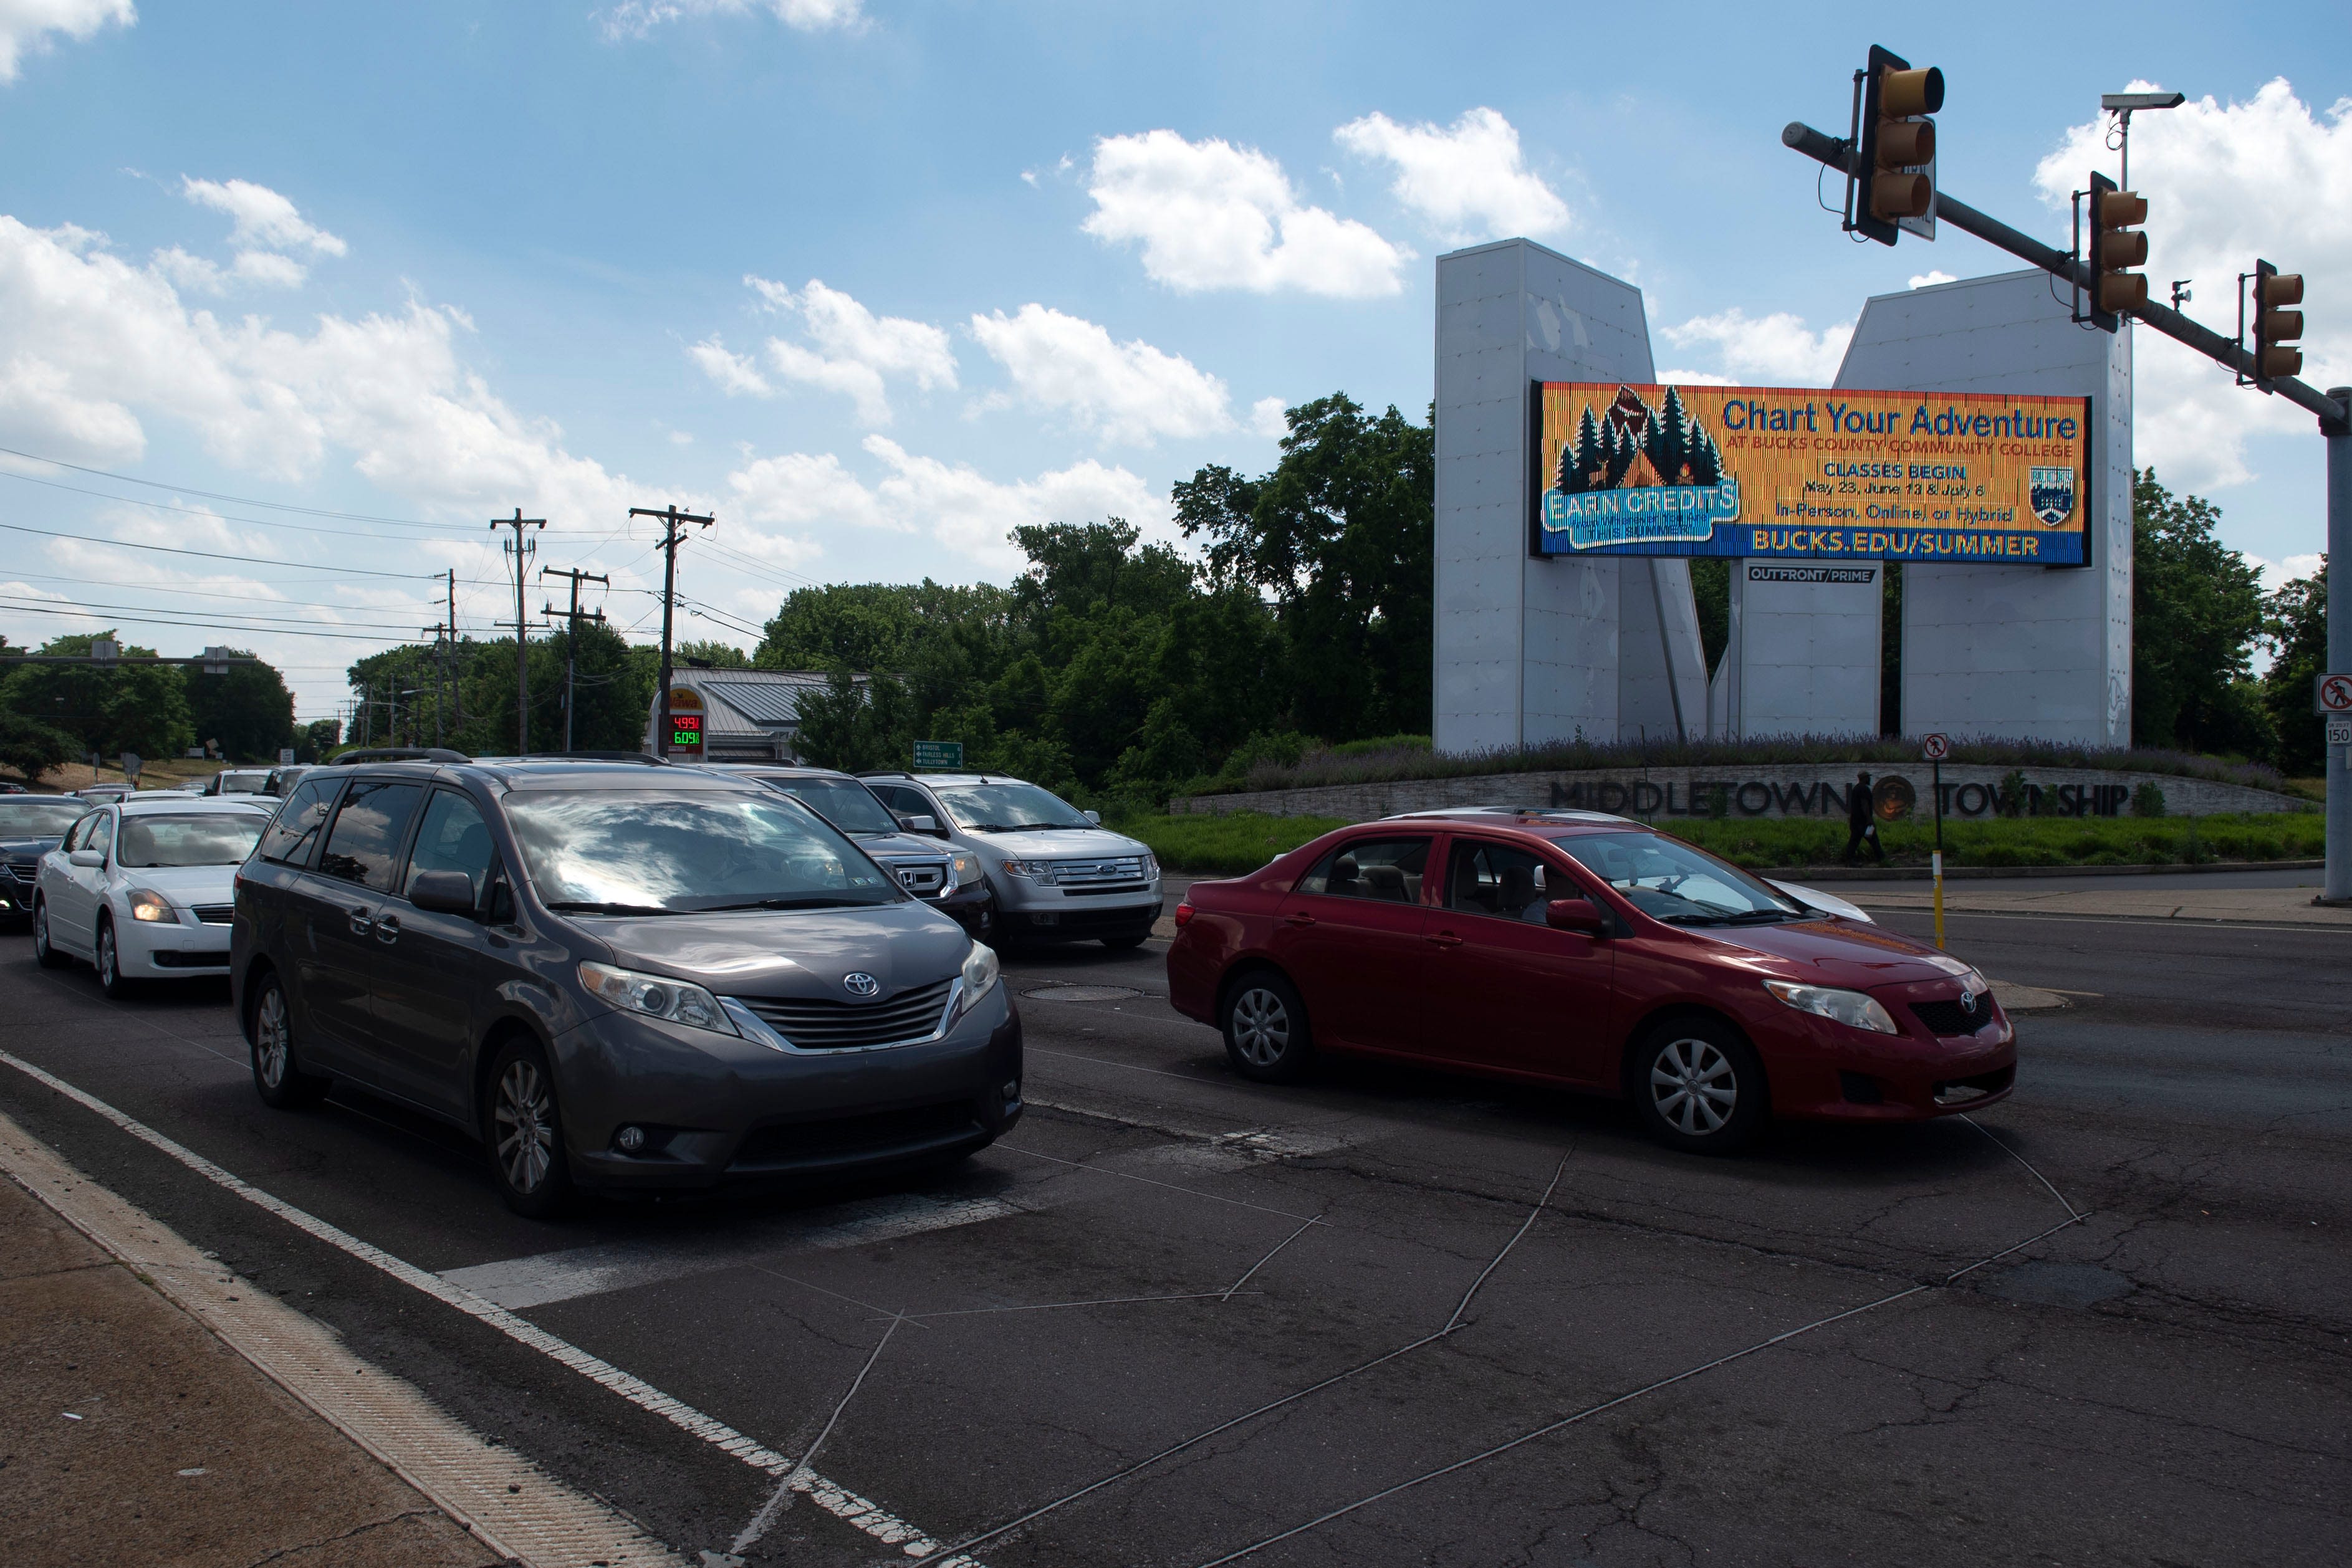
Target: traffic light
2116, 246
2275, 328
1896, 146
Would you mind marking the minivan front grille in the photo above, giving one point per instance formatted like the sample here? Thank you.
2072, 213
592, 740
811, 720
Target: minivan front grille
818, 1024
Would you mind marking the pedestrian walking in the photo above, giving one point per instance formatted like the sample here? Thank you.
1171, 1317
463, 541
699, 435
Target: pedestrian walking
1862, 823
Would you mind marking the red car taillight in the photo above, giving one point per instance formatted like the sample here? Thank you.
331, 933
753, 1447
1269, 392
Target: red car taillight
1183, 914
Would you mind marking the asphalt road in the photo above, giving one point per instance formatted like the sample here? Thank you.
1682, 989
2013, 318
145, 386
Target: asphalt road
1394, 1317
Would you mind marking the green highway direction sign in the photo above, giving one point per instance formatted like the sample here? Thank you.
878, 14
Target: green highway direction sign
946, 753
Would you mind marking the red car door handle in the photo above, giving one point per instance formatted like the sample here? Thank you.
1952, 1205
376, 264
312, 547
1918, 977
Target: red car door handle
1445, 939
1301, 918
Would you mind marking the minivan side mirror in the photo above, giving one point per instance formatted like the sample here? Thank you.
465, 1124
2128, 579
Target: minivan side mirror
922, 822
1094, 817
442, 891
90, 858
1579, 915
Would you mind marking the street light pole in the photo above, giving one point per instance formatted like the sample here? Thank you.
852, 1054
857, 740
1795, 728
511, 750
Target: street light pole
2336, 882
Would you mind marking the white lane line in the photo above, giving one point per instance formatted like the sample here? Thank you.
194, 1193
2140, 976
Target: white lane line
515, 1507
839, 1502
518, 1282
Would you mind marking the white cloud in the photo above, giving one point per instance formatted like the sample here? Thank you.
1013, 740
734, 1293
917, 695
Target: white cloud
1123, 392
855, 351
1269, 417
25, 25
2277, 574
2226, 182
1468, 183
636, 19
1932, 276
1212, 215
1775, 350
954, 504
265, 268
262, 217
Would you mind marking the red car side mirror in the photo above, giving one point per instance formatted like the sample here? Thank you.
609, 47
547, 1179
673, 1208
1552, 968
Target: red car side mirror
1580, 914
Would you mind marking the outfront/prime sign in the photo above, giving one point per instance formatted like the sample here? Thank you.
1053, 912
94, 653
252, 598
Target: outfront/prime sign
1947, 477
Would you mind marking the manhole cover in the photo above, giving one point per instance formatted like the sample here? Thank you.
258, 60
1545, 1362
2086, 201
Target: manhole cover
1082, 993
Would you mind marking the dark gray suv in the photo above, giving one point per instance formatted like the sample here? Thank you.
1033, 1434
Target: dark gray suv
622, 978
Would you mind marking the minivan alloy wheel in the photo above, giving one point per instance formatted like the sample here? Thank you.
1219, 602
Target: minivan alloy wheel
1693, 1086
1261, 1027
524, 1125
270, 1035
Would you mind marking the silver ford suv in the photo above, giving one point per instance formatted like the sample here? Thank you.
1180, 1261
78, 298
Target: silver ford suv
1058, 874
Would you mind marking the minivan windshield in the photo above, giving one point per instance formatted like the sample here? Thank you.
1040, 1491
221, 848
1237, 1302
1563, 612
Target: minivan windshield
43, 818
1668, 880
222, 840
844, 802
613, 851
1007, 808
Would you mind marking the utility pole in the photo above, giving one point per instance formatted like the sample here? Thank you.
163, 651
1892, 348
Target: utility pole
571, 635
456, 691
671, 520
522, 551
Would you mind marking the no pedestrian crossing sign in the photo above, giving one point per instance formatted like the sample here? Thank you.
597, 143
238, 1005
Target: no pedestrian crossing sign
946, 754
1935, 747
2331, 694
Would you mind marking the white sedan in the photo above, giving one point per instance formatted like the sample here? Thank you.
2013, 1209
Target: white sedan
145, 888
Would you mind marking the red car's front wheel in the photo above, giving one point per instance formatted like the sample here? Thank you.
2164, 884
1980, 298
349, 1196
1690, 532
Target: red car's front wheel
1699, 1087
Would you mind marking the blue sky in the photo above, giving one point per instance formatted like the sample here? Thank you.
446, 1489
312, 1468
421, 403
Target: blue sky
497, 256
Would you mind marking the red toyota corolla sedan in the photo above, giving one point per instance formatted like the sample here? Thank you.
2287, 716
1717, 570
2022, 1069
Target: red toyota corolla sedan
1575, 948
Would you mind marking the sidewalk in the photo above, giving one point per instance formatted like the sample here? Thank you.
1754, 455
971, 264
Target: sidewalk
131, 1435
2233, 905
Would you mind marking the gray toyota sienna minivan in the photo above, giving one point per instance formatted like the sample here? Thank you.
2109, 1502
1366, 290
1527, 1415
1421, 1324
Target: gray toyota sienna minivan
621, 978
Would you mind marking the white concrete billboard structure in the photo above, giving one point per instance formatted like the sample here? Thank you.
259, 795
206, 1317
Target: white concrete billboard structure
1804, 650
2019, 650
1532, 650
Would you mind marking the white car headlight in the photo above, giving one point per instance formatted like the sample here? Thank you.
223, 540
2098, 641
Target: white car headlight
1854, 1009
147, 904
1150, 867
656, 995
981, 973
1039, 871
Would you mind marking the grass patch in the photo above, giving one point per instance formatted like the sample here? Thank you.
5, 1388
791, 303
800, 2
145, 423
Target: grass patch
1231, 845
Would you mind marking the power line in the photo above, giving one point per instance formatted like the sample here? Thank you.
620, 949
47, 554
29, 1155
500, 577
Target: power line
46, 609
232, 615
216, 555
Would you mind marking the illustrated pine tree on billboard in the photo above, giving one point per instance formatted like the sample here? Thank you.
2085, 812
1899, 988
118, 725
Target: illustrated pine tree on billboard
1635, 445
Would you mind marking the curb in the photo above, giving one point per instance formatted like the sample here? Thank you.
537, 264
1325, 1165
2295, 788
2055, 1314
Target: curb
1987, 872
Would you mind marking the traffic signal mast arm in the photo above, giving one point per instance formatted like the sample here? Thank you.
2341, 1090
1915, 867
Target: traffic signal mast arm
1838, 155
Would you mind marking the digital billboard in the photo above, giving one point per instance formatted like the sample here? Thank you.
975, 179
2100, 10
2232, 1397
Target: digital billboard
1982, 478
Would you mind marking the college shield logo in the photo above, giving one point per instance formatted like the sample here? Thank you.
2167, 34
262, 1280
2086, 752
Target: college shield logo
2052, 493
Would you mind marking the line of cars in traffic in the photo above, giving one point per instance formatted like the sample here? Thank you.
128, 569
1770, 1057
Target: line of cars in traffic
634, 977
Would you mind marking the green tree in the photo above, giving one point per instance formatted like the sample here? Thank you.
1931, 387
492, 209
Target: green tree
106, 709
318, 740
1338, 534
2294, 625
709, 651
2196, 608
246, 710
30, 748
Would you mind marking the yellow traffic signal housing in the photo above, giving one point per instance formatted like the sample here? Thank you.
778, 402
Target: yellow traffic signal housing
2116, 246
1894, 162
2275, 327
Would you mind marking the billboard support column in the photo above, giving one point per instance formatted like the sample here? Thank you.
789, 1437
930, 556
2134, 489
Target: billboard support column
2336, 882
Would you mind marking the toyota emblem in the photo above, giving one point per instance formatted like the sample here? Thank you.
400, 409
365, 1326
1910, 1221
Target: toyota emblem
860, 984
1968, 1002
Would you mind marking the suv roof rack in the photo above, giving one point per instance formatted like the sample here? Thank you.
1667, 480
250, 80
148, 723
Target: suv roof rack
645, 757
884, 773
396, 754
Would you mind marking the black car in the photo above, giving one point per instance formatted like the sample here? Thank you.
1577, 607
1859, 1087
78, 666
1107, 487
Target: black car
944, 875
623, 978
31, 827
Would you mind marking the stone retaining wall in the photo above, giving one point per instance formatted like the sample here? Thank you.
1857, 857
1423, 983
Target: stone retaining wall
1804, 789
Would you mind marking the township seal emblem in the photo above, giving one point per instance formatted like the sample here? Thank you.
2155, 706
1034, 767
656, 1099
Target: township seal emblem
2052, 492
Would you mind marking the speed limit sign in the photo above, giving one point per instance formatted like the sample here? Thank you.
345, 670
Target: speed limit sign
1937, 747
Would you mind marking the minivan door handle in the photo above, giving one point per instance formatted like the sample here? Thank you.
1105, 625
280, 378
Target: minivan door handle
387, 928
362, 924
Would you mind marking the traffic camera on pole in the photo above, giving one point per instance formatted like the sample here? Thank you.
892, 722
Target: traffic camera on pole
1894, 171
2116, 246
2277, 328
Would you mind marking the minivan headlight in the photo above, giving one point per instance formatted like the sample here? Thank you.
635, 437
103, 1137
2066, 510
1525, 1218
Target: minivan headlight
146, 904
981, 973
1855, 1010
656, 995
